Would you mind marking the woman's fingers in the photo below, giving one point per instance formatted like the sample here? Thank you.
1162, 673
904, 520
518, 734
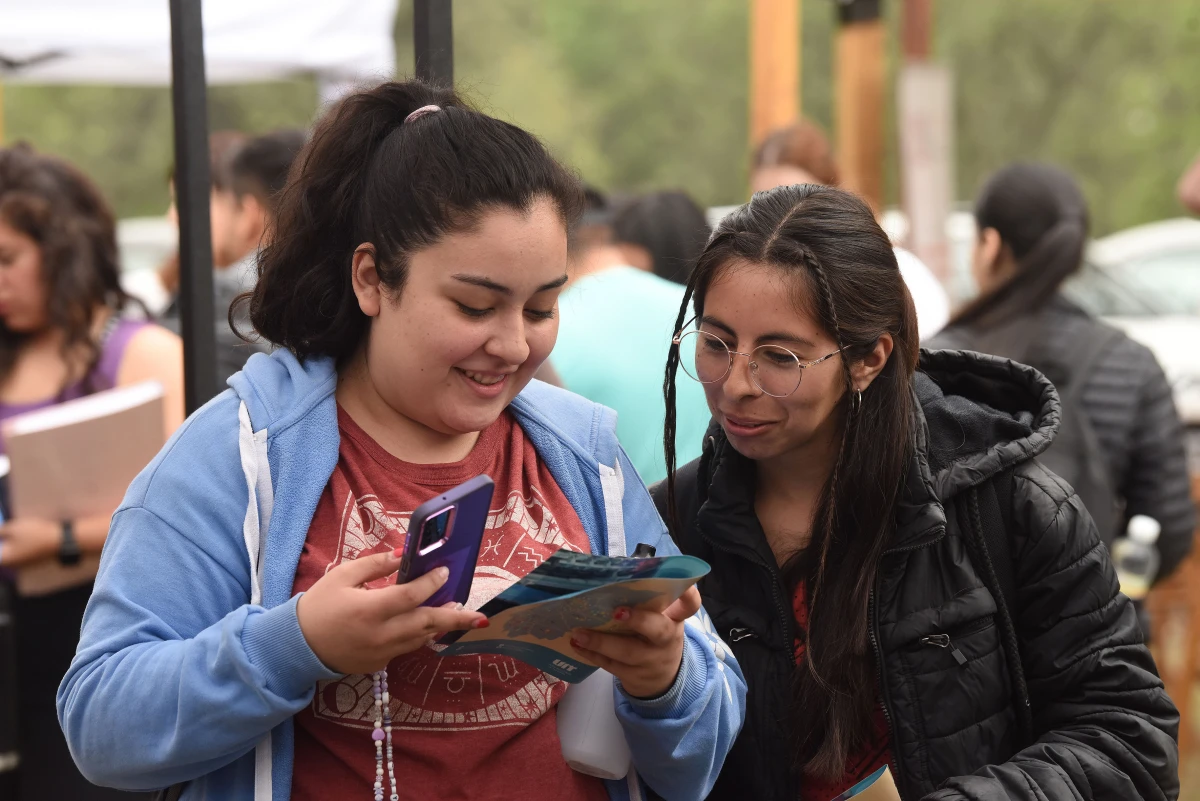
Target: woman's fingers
621, 648
685, 605
425, 621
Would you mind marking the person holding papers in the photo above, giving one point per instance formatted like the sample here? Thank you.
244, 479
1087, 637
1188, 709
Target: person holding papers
62, 336
247, 638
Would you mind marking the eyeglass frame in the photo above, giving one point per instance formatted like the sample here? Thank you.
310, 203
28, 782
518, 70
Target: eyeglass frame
803, 365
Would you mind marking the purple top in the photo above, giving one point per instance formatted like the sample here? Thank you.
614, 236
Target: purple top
103, 375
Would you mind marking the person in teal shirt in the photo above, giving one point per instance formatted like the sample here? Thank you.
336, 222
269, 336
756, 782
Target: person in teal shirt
616, 324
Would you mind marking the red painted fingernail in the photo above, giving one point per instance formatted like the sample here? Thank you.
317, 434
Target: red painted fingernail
399, 552
575, 643
482, 623
622, 613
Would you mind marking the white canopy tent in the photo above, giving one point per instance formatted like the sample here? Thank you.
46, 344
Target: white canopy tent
129, 41
188, 43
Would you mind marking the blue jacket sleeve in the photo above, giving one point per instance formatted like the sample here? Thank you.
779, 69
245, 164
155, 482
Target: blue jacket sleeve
169, 635
679, 741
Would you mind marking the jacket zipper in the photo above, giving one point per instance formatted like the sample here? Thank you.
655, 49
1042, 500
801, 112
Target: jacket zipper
873, 635
944, 641
737, 634
873, 631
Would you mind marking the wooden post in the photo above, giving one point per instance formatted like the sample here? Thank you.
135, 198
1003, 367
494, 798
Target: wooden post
925, 119
860, 76
774, 66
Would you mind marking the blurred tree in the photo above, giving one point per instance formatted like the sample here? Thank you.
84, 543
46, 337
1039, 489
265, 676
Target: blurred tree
639, 95
121, 136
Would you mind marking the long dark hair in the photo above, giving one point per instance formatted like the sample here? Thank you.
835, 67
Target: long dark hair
367, 175
844, 273
1042, 218
60, 209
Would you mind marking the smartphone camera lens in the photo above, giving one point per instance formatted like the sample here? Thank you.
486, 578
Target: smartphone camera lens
434, 529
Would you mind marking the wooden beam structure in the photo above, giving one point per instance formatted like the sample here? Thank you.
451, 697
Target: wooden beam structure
774, 66
859, 76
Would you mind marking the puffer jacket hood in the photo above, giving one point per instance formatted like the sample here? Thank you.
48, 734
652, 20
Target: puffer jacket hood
982, 415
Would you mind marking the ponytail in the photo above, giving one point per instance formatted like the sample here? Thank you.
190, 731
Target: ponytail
376, 172
1041, 217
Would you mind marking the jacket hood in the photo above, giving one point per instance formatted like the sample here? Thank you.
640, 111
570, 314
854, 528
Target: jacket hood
982, 415
279, 388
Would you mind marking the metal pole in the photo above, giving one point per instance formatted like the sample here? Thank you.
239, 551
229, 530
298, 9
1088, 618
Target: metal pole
192, 190
433, 41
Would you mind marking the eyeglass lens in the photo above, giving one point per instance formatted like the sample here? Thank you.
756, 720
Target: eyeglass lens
707, 359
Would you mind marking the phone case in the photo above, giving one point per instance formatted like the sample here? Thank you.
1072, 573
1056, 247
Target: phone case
459, 548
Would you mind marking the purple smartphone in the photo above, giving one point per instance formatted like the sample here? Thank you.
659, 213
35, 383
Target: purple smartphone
447, 530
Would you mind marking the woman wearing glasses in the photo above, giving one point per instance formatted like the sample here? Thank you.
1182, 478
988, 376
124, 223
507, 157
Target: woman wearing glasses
902, 583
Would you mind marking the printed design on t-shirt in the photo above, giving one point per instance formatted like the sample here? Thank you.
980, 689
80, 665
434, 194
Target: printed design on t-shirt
456, 693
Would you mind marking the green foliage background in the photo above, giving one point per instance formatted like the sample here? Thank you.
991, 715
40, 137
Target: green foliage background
640, 95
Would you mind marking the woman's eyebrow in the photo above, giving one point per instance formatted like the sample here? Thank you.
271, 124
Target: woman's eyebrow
487, 283
774, 336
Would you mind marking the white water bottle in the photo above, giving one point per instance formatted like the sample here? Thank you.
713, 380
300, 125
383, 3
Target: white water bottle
1135, 556
593, 741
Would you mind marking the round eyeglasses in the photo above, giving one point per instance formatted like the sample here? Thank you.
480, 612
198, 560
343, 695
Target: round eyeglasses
773, 369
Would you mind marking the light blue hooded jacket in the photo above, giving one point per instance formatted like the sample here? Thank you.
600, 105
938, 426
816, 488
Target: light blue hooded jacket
191, 662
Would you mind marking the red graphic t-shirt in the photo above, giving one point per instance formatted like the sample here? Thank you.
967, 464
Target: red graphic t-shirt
861, 763
466, 727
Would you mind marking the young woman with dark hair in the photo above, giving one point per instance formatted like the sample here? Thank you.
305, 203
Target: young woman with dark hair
62, 336
247, 637
1033, 226
901, 581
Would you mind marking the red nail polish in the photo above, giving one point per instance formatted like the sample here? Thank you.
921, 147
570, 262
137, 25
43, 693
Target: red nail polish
575, 643
622, 614
398, 552
482, 623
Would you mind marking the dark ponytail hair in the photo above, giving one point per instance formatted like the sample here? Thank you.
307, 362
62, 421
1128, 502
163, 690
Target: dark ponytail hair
845, 275
367, 175
1042, 218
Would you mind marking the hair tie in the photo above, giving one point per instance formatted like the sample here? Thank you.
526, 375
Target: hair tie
421, 112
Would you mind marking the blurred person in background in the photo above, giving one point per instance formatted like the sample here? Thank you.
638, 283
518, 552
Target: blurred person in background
222, 208
252, 172
1033, 226
62, 336
1189, 188
801, 154
616, 325
663, 232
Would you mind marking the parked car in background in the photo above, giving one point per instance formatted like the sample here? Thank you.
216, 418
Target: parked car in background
1146, 281
143, 244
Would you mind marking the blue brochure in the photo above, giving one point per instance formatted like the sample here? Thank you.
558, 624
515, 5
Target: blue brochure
532, 620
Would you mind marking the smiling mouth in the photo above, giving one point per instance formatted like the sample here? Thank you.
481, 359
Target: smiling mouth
486, 379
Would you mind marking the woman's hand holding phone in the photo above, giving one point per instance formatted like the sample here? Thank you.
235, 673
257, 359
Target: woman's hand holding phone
353, 629
646, 659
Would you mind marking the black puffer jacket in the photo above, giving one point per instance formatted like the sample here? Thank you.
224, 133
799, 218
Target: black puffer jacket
1101, 726
1128, 402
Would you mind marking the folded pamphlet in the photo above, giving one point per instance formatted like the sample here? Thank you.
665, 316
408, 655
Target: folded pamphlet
532, 620
879, 786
